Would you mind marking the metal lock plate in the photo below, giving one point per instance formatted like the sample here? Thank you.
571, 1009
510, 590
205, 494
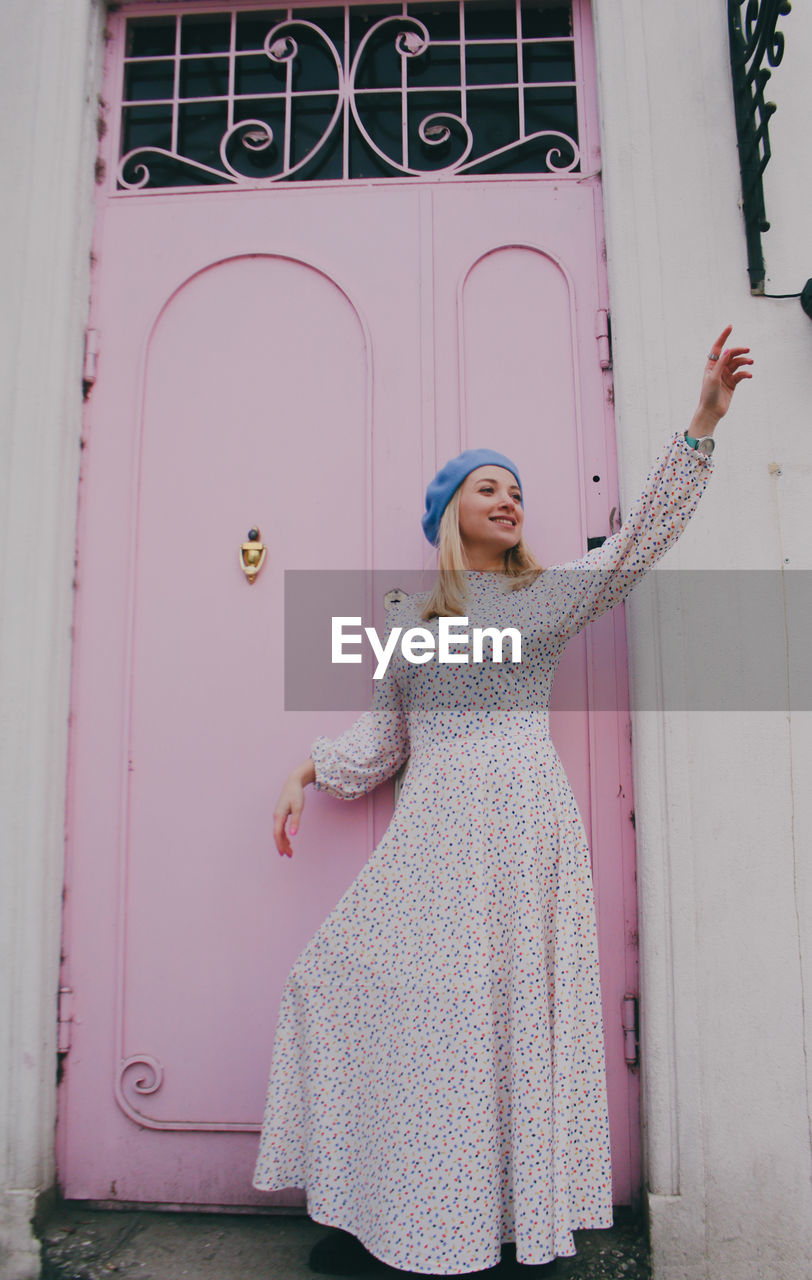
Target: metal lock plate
394, 596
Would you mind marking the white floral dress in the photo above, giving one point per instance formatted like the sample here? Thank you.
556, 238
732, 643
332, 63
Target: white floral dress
437, 1083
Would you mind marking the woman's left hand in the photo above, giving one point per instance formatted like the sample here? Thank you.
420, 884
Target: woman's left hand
721, 378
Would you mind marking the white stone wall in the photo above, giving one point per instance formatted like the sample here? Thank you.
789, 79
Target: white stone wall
723, 802
49, 53
723, 808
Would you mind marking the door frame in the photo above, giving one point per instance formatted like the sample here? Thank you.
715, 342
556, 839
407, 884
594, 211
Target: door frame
615, 752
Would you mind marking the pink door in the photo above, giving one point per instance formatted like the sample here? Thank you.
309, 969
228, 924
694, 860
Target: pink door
298, 350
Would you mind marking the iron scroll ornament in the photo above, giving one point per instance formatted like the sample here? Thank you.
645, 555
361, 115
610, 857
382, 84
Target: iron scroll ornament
253, 136
442, 146
440, 127
754, 41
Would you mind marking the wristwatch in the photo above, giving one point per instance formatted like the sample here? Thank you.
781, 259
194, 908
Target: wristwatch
705, 444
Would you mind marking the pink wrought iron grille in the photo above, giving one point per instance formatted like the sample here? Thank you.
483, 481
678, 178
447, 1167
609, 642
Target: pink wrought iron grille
242, 97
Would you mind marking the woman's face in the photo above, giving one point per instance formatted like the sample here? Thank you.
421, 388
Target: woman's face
491, 514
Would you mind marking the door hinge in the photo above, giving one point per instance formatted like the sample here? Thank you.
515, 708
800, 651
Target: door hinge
91, 359
603, 333
630, 1031
65, 1019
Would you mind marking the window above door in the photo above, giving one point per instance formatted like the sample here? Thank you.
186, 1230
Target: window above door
249, 97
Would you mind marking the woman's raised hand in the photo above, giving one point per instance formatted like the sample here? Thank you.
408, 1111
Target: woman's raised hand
724, 370
291, 805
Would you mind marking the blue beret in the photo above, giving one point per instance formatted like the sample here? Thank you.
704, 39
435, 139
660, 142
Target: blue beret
450, 477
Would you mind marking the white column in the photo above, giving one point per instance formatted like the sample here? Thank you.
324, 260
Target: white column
723, 821
50, 51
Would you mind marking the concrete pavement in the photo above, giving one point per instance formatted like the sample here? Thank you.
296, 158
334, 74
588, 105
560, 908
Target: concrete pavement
93, 1244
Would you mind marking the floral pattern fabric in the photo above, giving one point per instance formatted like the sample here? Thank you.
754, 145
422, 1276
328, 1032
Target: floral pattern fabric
438, 1083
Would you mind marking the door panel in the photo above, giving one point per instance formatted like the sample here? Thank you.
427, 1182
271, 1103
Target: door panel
516, 292
233, 424
234, 390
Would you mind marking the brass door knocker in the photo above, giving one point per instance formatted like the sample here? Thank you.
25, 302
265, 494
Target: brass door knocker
252, 555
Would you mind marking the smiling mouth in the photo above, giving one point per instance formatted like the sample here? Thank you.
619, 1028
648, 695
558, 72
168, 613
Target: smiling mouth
511, 524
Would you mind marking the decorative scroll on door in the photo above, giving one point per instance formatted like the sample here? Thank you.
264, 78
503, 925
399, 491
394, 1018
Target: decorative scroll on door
246, 98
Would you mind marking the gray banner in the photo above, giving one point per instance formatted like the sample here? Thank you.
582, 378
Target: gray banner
731, 640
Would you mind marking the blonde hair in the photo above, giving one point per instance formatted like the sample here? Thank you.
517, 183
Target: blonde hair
447, 598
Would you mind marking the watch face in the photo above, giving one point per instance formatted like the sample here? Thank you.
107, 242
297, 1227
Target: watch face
706, 445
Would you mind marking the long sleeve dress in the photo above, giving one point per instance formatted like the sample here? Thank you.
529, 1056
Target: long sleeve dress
437, 1083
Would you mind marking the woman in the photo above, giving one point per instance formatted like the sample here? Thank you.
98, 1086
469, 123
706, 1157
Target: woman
437, 1084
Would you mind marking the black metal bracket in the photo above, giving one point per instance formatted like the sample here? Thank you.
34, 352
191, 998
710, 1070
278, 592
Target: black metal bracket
754, 41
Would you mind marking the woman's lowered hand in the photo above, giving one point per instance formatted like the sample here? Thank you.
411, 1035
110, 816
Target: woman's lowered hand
291, 805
